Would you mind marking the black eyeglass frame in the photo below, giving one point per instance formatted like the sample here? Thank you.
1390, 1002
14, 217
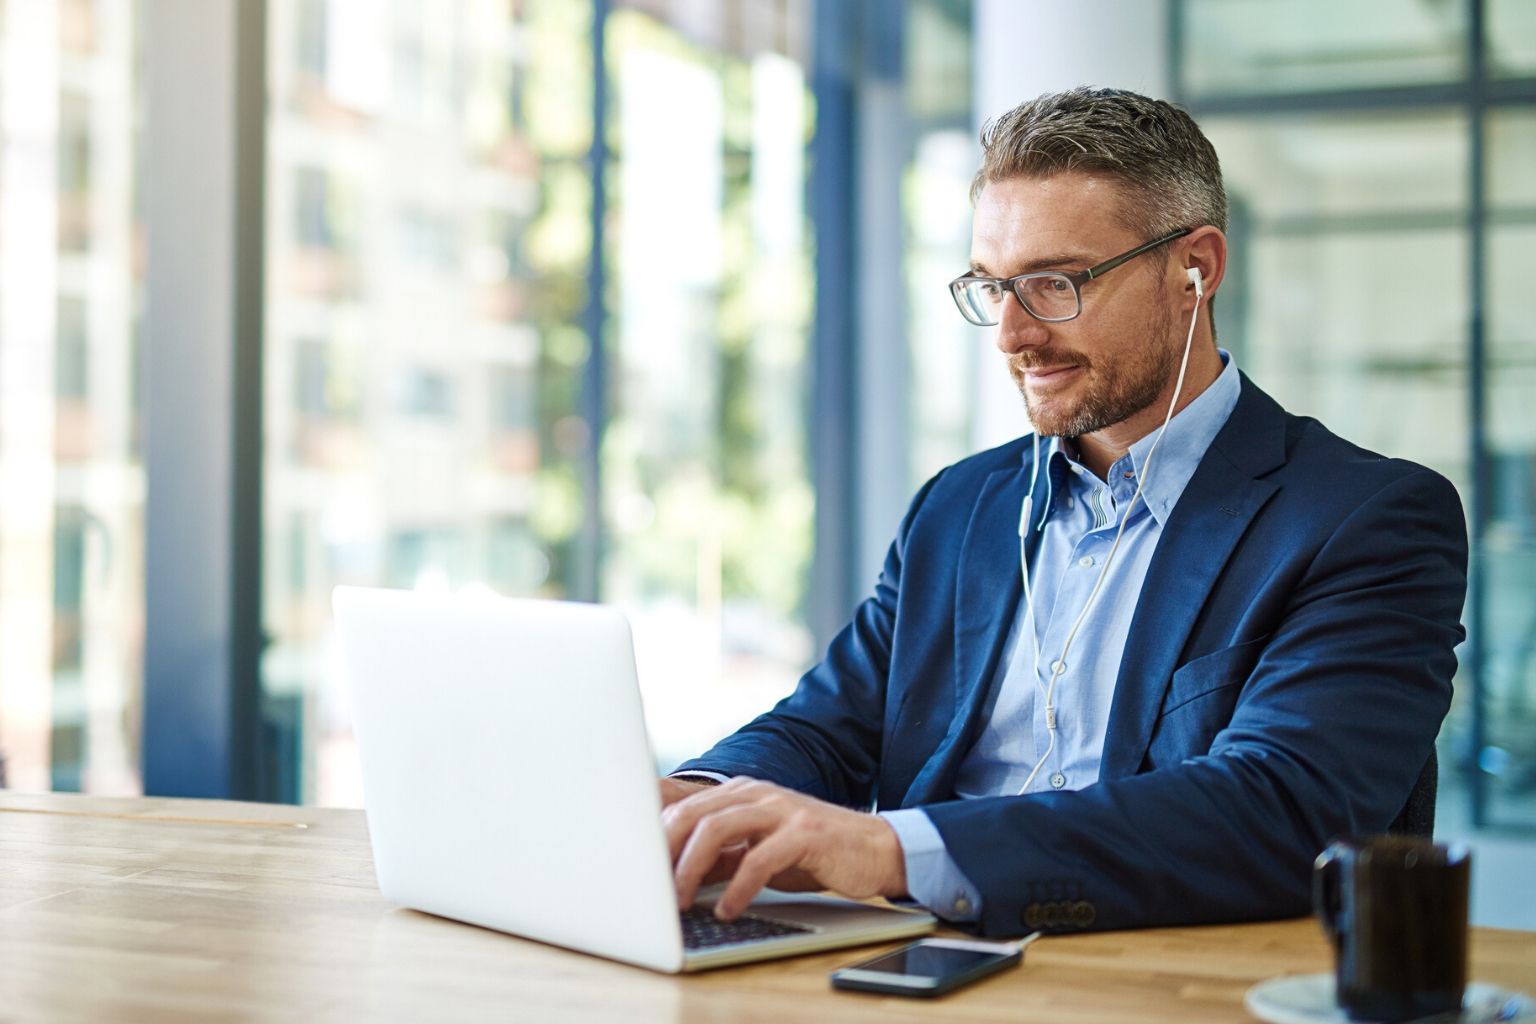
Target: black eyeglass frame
1076, 278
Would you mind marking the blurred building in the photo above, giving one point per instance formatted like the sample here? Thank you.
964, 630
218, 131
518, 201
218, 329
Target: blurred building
430, 232
71, 477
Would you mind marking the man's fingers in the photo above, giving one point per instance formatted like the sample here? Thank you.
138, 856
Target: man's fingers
673, 790
773, 856
725, 864
681, 818
724, 828
795, 879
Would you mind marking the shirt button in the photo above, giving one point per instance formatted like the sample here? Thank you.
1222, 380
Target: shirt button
962, 905
1085, 561
1078, 470
1058, 666
1058, 780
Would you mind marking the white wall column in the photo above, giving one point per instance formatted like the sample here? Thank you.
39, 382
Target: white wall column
203, 151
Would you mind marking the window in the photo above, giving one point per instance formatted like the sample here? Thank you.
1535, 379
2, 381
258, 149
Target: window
426, 249
1263, 48
426, 393
707, 496
1511, 31
501, 346
71, 522
1382, 287
944, 155
314, 225
1346, 225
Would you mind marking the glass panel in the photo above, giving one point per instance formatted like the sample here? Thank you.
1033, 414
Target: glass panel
1340, 331
1391, 166
1511, 35
71, 518
1259, 46
1511, 155
936, 200
1337, 238
427, 238
1508, 555
707, 493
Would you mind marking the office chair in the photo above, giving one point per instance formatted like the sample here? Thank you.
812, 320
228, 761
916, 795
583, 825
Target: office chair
1417, 818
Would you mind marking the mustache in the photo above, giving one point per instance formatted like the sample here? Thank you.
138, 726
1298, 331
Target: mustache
1056, 358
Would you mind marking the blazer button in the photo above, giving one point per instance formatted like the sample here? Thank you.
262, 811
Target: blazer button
1083, 913
1032, 915
1050, 914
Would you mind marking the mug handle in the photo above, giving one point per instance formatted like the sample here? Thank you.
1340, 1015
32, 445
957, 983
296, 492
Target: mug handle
1326, 890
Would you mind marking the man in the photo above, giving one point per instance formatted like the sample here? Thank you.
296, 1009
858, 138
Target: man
1237, 637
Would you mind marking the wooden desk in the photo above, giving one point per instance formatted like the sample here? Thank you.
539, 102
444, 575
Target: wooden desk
180, 910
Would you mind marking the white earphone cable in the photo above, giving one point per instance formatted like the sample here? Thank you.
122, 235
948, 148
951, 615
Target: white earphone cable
1059, 666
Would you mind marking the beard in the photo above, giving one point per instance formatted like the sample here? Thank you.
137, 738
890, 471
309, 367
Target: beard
1111, 391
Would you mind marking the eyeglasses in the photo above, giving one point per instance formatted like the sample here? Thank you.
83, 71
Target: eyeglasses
1050, 295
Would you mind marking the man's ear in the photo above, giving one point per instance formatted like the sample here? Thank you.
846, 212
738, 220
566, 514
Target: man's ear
1204, 250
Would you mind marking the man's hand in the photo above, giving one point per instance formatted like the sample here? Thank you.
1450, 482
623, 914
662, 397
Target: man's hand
673, 790
758, 834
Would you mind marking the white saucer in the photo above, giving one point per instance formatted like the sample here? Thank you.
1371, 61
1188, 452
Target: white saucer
1308, 999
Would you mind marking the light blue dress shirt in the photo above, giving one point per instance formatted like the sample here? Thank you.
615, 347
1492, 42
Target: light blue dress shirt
1078, 520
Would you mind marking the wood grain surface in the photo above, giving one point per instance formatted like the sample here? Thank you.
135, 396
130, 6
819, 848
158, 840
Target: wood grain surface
191, 910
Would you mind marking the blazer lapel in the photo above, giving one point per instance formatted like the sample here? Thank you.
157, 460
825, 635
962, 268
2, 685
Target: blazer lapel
987, 591
1212, 515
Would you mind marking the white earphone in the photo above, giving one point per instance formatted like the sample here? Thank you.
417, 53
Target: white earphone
1059, 666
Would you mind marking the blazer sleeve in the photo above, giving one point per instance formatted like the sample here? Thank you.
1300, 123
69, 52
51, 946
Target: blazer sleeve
824, 739
1330, 730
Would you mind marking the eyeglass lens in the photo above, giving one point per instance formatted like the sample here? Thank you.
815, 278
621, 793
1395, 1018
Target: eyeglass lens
1047, 296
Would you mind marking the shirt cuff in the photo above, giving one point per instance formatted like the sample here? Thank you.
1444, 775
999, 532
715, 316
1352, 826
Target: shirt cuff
933, 878
697, 774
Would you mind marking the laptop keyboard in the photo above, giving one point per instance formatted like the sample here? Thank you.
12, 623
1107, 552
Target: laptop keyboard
701, 929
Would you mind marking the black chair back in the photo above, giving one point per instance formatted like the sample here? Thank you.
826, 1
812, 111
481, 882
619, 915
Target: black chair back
1417, 818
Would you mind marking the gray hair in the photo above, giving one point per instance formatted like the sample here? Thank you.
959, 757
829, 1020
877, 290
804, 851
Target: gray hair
1165, 168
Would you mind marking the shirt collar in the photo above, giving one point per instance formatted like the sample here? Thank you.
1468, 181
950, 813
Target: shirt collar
1189, 435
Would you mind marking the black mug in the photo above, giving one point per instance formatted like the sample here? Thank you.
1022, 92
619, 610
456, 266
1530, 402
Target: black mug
1395, 909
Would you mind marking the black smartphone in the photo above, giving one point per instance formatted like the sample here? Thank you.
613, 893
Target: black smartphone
927, 967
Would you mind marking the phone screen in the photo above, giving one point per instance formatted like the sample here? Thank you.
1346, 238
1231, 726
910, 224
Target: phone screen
928, 961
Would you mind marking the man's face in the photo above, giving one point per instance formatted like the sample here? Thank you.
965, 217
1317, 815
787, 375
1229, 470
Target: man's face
1121, 355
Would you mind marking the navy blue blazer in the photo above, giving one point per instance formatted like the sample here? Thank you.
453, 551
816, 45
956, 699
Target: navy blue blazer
1285, 676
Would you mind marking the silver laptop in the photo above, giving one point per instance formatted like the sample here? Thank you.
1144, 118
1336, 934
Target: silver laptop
509, 783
